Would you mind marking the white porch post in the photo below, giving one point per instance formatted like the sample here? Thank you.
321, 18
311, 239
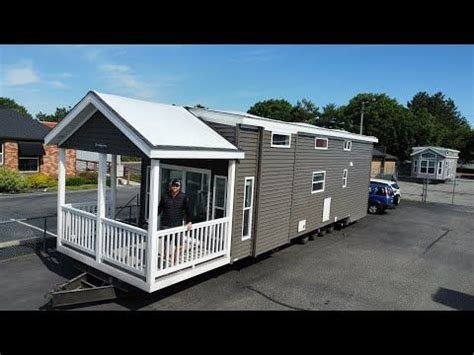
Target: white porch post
61, 192
152, 242
113, 186
230, 204
101, 186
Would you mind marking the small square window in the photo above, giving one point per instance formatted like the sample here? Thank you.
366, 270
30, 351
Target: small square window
320, 143
281, 140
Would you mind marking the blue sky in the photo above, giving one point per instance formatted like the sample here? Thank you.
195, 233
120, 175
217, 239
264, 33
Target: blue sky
233, 77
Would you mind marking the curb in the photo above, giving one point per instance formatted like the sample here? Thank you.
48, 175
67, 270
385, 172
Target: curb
19, 242
32, 194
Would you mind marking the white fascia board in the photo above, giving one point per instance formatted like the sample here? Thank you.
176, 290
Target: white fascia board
67, 120
121, 126
229, 118
434, 150
91, 99
195, 154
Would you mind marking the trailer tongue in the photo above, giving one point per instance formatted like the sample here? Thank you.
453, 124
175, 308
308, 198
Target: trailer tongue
89, 287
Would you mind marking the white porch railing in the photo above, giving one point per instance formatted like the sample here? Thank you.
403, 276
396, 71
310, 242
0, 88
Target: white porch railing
124, 245
79, 229
91, 207
179, 249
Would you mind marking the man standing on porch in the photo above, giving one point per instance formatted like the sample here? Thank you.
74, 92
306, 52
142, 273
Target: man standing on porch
174, 205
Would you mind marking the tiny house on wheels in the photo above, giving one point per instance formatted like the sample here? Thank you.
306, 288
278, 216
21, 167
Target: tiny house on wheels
253, 185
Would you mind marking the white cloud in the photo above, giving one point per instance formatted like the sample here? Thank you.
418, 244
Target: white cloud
57, 84
114, 68
21, 75
121, 78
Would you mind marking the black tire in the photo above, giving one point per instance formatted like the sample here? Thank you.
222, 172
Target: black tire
375, 209
396, 200
304, 239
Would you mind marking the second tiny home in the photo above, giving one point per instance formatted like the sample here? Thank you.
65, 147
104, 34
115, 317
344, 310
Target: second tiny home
253, 183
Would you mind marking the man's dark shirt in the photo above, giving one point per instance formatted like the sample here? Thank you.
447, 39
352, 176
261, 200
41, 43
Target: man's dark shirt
174, 209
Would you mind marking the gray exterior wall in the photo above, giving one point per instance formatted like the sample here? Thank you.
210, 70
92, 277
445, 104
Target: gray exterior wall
98, 129
246, 139
349, 201
275, 195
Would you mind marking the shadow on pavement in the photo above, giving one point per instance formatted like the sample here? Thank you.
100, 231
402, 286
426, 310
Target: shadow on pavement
454, 299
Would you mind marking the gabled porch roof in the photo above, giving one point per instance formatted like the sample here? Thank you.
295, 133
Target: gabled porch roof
158, 130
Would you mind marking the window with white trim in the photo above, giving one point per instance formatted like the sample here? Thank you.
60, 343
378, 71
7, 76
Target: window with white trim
319, 181
440, 167
1, 153
345, 172
415, 166
219, 198
320, 143
423, 165
347, 145
248, 208
281, 140
28, 164
431, 166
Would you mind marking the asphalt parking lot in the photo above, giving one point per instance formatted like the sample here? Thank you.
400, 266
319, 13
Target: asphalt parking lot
417, 257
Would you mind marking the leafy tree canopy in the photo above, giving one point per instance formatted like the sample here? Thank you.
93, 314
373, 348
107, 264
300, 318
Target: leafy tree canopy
277, 109
10, 103
58, 115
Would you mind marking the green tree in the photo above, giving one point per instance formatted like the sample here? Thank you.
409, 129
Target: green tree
277, 109
58, 115
441, 123
333, 117
384, 118
305, 111
10, 103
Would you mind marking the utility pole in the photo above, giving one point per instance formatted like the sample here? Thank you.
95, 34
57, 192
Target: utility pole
362, 116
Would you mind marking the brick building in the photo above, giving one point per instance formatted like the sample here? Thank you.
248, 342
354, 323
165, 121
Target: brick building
22, 148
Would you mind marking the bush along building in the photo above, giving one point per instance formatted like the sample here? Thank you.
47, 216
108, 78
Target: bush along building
253, 184
22, 146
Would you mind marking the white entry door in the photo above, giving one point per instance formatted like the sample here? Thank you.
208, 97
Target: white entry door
327, 209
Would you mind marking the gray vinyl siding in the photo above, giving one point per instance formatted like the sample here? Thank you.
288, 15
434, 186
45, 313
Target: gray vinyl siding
351, 200
226, 131
98, 129
275, 195
248, 141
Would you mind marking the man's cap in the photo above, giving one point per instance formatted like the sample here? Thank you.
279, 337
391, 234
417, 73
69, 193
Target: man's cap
175, 182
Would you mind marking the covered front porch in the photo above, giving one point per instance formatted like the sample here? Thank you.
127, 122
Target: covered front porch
143, 255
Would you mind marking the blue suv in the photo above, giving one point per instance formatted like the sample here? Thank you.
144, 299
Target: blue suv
380, 197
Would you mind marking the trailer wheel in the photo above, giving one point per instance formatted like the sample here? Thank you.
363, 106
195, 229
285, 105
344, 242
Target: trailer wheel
329, 229
304, 239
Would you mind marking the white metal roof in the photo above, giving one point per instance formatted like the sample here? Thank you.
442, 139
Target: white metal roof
234, 117
159, 130
440, 150
165, 125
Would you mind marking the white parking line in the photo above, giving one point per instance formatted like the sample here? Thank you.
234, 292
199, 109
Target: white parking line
34, 227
